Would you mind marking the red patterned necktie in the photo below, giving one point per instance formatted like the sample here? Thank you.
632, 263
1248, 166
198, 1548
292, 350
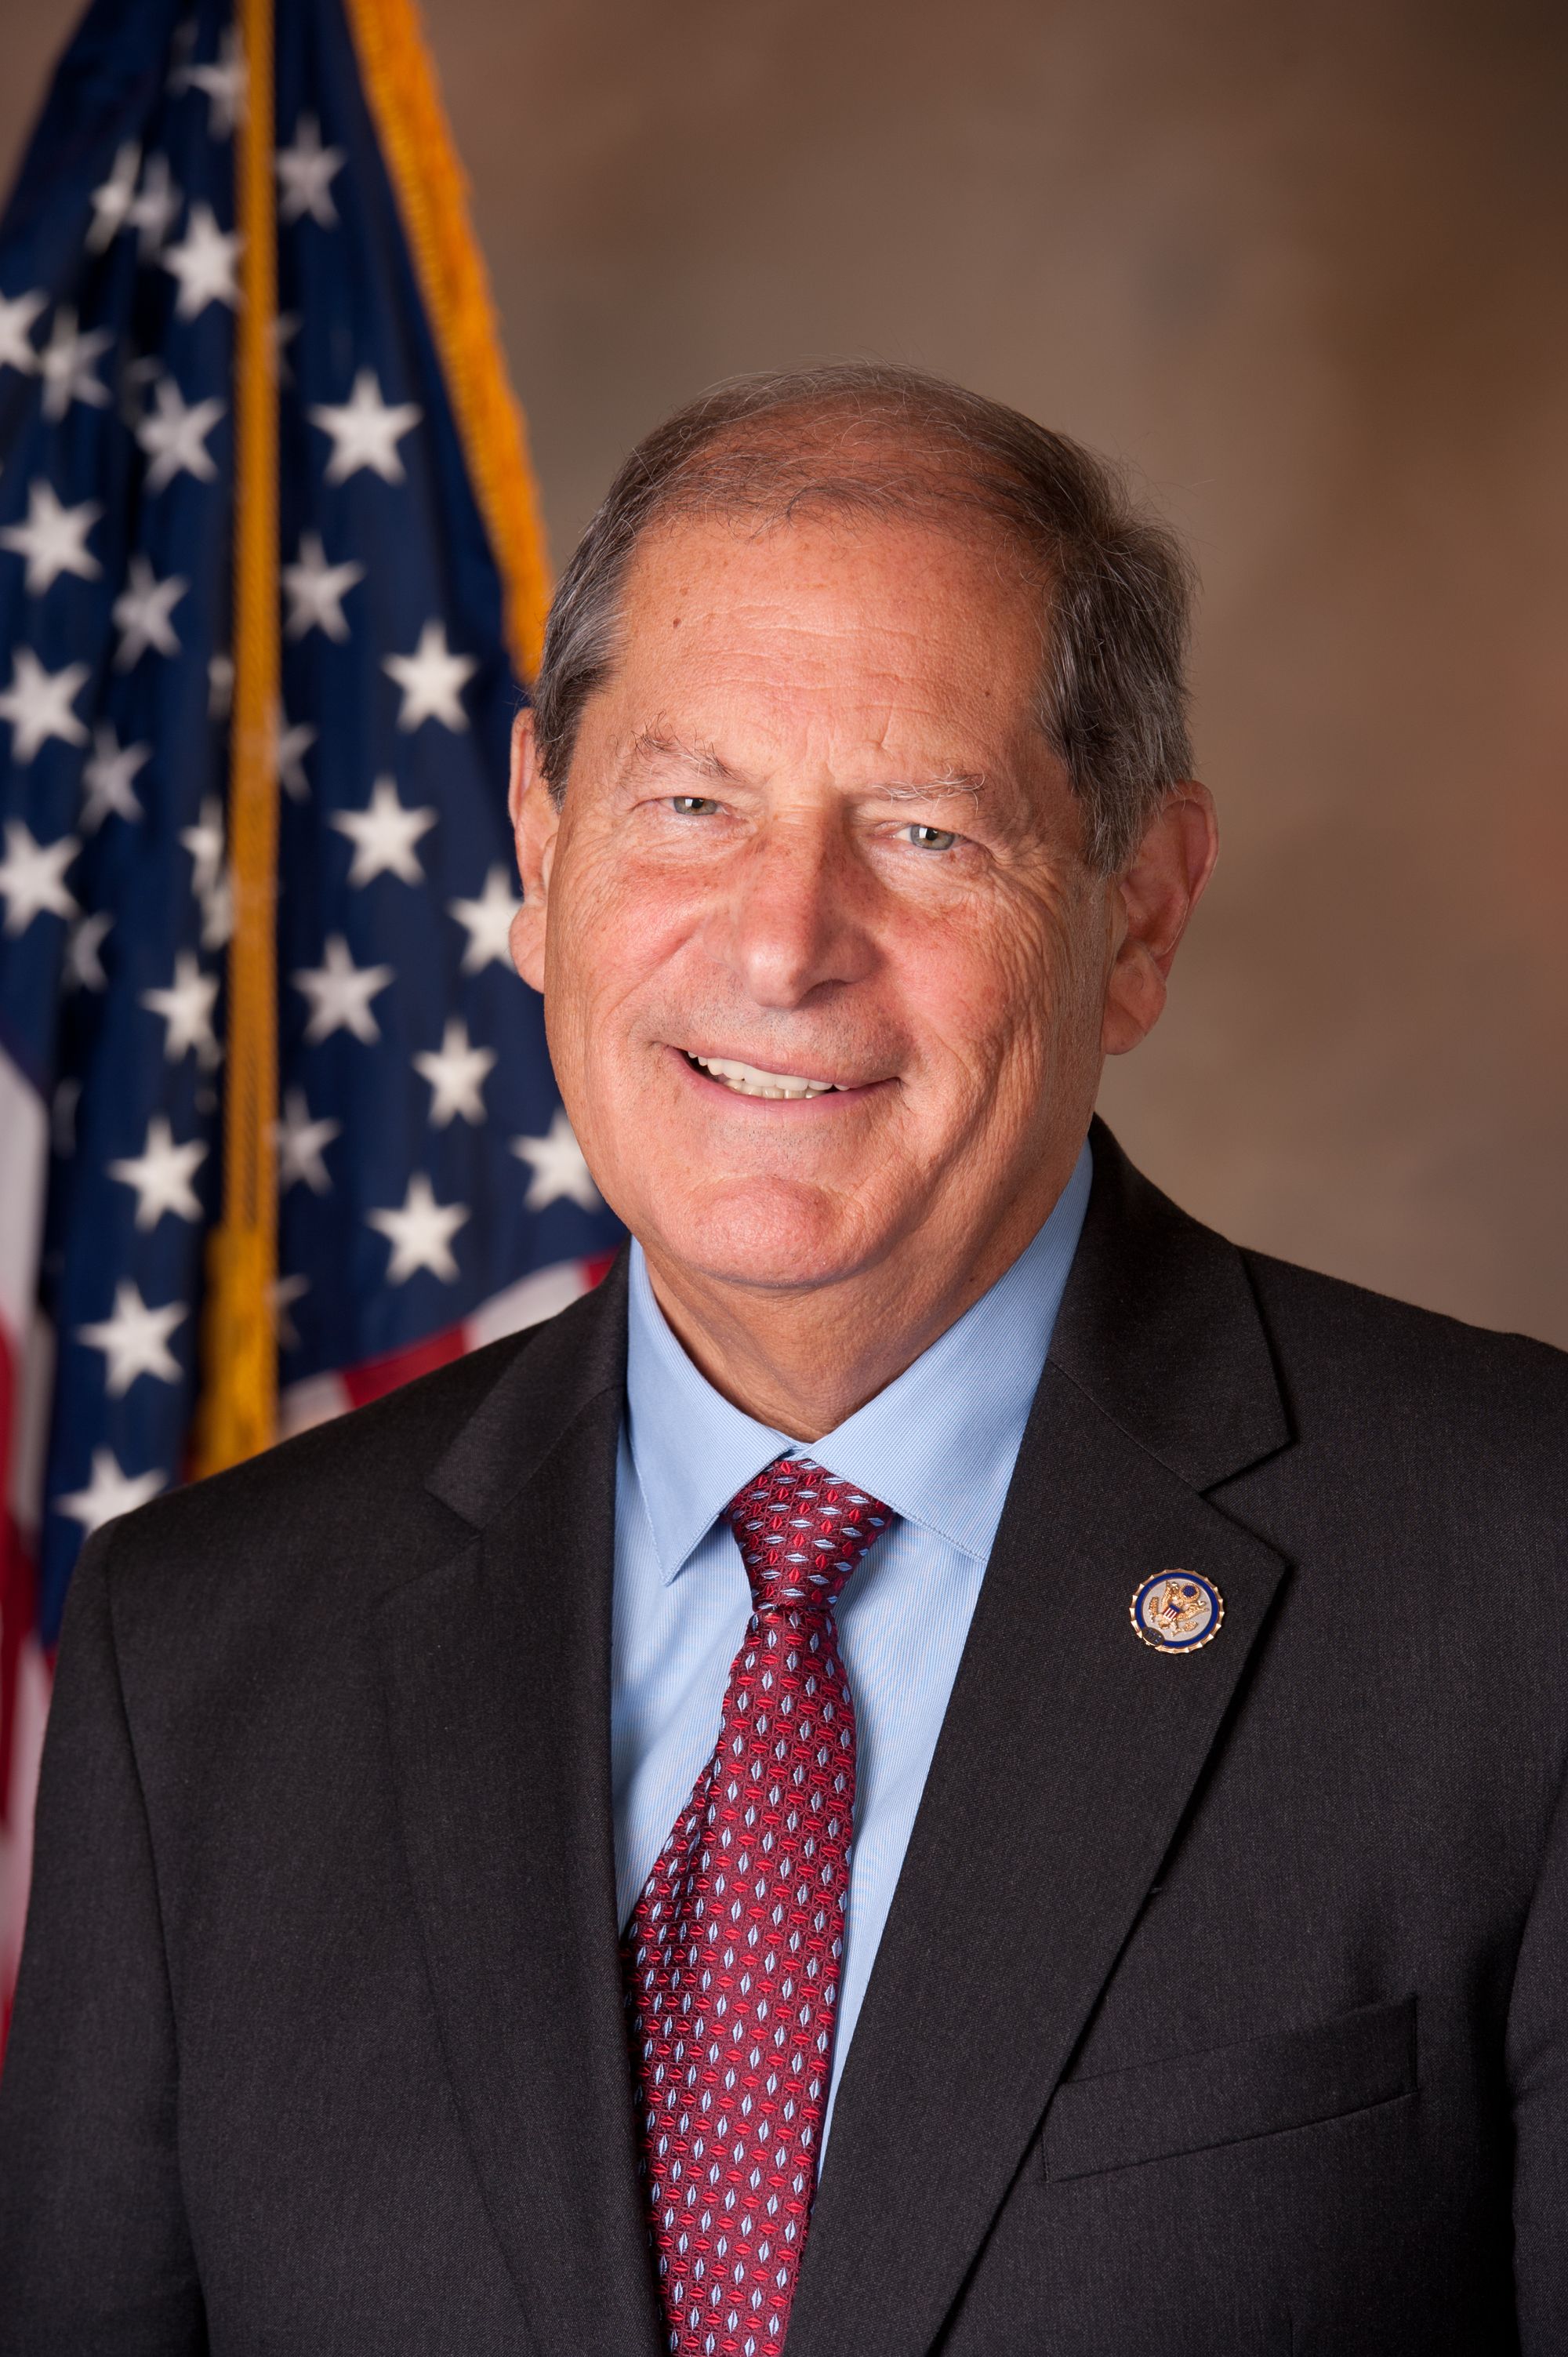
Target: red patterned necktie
733, 1953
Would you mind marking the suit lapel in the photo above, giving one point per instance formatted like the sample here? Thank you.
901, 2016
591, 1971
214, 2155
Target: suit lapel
1067, 1758
496, 1673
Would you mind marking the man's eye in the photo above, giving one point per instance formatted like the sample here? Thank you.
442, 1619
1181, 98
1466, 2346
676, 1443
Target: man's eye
693, 805
929, 838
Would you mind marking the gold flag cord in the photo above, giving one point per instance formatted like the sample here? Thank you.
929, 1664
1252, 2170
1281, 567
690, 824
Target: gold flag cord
432, 194
237, 1413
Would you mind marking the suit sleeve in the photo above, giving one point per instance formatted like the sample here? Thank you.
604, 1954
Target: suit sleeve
95, 2257
1538, 2071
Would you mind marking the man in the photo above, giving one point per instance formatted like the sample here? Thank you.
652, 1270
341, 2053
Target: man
447, 1934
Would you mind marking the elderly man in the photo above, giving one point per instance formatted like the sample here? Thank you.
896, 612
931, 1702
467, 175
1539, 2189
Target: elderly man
950, 1761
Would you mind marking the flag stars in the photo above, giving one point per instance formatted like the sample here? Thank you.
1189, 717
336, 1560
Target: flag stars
173, 435
161, 1175
365, 430
301, 1144
141, 612
107, 779
316, 589
224, 83
196, 253
53, 539
204, 841
107, 776
108, 1492
18, 313
206, 262
218, 914
155, 209
38, 703
456, 1072
32, 876
66, 366
305, 173
383, 836
135, 1340
83, 952
488, 922
430, 679
113, 200
294, 742
558, 1167
419, 1233
282, 1295
339, 994
185, 1007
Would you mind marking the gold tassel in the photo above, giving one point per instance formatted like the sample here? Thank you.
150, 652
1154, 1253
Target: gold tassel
237, 1412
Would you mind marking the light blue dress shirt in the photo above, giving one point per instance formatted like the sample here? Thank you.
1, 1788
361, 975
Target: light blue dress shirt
938, 1445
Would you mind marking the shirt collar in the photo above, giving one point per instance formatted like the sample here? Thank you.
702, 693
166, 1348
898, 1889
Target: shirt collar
938, 1445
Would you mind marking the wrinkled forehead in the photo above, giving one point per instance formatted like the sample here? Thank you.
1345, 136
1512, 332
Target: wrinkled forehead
908, 627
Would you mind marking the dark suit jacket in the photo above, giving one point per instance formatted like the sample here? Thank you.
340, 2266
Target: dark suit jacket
1223, 2005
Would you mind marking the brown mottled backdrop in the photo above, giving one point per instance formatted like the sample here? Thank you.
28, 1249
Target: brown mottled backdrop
1305, 266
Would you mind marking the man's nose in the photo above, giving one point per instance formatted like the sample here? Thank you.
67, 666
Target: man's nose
798, 919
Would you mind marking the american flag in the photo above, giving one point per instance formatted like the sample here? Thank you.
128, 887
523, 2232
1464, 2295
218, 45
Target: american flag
431, 1193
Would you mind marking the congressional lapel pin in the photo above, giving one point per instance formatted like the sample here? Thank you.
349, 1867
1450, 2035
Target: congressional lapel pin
1177, 1611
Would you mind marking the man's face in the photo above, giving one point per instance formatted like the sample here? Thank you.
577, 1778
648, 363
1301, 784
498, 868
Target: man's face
823, 969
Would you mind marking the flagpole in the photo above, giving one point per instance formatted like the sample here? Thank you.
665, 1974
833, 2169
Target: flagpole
237, 1413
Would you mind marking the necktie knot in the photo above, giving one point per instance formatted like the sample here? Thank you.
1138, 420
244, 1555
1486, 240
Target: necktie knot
802, 1532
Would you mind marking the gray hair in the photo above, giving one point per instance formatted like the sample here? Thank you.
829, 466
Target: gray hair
868, 439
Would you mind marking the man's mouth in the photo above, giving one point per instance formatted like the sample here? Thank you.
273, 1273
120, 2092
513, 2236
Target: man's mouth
751, 1081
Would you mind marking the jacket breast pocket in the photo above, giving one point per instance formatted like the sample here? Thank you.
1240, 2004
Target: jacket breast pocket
1190, 2103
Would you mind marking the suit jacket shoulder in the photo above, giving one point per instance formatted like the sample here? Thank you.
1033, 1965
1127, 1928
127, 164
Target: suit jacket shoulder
238, 1580
1481, 1395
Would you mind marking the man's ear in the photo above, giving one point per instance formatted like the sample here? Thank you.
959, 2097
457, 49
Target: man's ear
534, 823
1151, 902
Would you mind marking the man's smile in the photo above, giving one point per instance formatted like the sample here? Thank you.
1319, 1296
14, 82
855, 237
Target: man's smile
748, 1080
751, 1081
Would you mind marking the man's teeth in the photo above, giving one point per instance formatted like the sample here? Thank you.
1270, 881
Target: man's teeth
750, 1080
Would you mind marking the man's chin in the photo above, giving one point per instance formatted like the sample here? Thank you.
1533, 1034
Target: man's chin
773, 1237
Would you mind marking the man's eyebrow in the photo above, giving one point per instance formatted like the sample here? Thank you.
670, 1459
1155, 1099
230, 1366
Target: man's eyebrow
655, 745
953, 781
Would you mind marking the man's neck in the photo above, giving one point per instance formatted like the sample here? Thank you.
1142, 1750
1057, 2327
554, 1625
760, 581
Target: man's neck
802, 1360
